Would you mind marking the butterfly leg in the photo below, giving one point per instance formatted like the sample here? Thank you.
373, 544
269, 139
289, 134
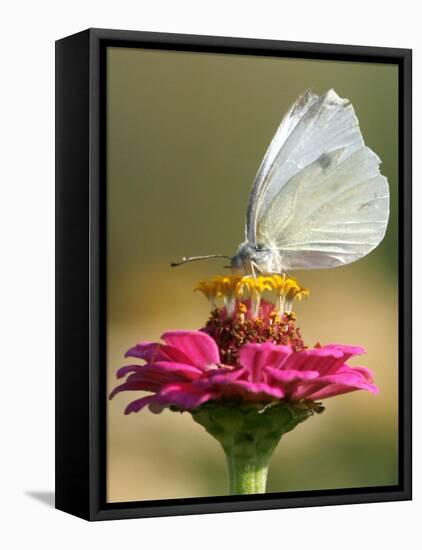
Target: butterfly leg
254, 266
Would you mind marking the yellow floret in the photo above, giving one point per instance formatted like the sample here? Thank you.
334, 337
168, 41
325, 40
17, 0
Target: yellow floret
232, 288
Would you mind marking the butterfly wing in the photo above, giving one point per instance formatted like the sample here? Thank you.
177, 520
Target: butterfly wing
318, 197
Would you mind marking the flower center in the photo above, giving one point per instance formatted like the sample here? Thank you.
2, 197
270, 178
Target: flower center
234, 288
241, 315
232, 332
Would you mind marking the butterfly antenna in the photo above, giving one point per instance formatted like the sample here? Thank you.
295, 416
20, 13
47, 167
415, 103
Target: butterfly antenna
197, 258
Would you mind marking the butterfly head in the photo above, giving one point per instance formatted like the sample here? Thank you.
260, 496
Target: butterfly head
256, 258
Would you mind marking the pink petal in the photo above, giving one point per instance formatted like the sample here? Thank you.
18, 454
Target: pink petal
118, 389
347, 351
287, 376
185, 395
139, 404
217, 377
152, 377
143, 350
315, 359
156, 377
348, 377
152, 351
201, 349
123, 371
255, 357
338, 389
366, 373
234, 384
333, 384
258, 388
143, 385
186, 371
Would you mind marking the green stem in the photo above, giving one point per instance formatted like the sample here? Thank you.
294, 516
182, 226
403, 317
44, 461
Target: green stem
248, 433
247, 475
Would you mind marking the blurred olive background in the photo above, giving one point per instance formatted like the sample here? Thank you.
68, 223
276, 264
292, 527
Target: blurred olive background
186, 134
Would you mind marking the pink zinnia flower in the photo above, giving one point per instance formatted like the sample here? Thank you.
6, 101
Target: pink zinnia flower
247, 376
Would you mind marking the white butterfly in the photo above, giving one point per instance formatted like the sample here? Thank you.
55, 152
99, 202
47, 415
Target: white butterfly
318, 199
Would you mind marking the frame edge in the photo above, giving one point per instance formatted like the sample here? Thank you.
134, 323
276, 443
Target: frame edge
72, 265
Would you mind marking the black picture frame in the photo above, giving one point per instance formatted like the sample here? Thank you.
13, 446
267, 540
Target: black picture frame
81, 273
